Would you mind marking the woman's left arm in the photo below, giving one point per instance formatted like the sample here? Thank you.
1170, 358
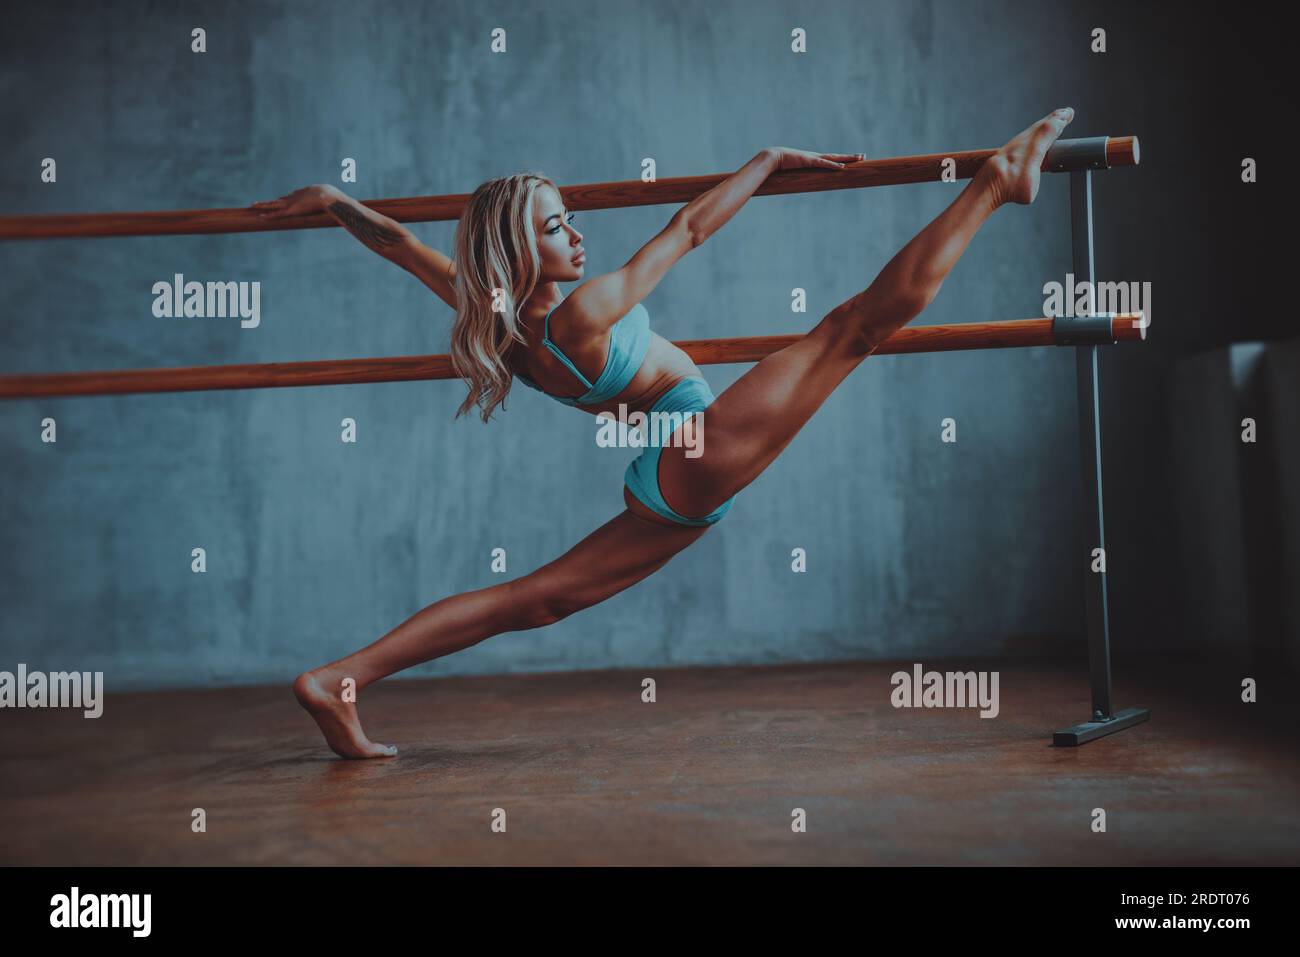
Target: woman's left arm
710, 211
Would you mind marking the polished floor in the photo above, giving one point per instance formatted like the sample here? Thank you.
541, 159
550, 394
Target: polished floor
583, 772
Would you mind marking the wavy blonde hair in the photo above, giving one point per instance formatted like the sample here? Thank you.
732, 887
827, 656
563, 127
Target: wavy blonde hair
496, 261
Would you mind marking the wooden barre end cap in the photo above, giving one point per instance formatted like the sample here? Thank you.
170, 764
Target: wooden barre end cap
1129, 326
1123, 151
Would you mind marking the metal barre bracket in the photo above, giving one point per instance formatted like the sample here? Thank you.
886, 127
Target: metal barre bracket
1084, 330
1086, 153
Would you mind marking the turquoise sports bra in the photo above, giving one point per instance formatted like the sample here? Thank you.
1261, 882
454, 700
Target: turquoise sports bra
629, 339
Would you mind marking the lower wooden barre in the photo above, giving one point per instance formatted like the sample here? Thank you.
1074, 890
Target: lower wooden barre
1019, 333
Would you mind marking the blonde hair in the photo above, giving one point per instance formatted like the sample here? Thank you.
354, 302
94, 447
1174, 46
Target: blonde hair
496, 255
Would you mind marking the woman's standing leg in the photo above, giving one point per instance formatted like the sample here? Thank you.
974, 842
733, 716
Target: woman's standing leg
614, 557
753, 420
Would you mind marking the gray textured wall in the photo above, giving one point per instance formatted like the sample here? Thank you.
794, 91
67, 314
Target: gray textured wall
917, 548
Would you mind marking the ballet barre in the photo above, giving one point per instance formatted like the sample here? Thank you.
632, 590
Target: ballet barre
1018, 333
1089, 153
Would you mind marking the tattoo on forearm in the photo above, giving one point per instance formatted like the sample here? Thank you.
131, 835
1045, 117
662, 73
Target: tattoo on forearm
375, 235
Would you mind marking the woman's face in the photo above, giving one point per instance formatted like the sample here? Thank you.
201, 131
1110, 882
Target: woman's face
558, 243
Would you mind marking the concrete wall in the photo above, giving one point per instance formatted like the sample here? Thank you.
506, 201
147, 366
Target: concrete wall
916, 548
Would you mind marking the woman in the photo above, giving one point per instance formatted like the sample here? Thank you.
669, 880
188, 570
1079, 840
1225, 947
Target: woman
593, 350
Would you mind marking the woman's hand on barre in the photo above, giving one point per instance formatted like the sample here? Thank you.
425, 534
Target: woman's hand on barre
799, 159
301, 202
383, 235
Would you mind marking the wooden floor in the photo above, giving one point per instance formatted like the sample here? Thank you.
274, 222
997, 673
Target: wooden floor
588, 774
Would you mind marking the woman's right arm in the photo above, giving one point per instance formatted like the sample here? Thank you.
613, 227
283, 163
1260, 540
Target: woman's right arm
378, 232
383, 235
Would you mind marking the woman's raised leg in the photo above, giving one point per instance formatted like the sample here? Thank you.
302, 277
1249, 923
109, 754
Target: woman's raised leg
615, 556
753, 420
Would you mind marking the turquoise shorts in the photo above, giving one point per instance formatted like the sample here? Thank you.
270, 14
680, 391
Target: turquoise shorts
689, 396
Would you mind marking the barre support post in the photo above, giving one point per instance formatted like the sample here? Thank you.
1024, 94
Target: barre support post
1087, 331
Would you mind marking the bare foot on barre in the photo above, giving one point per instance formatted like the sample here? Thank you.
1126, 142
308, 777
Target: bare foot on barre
1013, 172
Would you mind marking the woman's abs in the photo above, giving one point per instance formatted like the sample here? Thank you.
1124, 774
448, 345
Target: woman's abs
665, 365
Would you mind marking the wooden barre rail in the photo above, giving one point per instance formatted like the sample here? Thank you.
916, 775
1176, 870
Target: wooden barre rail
1019, 333
1098, 152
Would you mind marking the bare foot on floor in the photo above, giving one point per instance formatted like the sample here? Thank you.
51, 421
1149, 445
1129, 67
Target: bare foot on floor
319, 692
1013, 172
